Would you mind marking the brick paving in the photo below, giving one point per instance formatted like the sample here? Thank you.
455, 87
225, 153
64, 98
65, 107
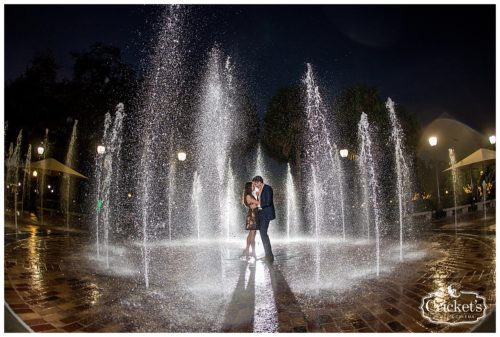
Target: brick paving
51, 292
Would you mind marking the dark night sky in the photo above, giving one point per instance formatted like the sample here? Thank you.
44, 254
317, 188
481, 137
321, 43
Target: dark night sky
429, 58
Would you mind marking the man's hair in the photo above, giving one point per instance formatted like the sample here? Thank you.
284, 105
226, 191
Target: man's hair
258, 179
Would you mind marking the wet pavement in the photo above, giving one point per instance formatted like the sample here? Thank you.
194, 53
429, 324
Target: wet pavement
55, 282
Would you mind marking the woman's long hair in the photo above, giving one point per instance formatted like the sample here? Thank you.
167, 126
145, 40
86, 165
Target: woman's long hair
246, 191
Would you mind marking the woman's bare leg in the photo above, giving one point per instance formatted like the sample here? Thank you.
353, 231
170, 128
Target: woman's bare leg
249, 241
252, 242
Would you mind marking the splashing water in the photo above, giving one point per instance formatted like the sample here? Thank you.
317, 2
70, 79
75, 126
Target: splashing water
99, 178
292, 216
484, 198
451, 153
367, 165
321, 159
402, 170
195, 198
260, 168
14, 164
215, 136
159, 116
230, 207
66, 181
26, 178
109, 172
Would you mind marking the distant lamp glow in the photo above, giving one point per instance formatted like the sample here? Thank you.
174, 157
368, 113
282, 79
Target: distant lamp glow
433, 141
181, 155
40, 150
35, 173
344, 153
51, 191
49, 187
493, 139
101, 149
129, 195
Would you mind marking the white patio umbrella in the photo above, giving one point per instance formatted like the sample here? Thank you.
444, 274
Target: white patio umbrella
478, 156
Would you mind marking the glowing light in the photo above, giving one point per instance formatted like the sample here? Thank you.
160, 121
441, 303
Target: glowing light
433, 141
493, 139
35, 174
40, 150
344, 153
129, 195
49, 187
101, 149
181, 155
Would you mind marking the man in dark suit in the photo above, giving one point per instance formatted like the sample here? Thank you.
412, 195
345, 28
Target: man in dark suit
266, 213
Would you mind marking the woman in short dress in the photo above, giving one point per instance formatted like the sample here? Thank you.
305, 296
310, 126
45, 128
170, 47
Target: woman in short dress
251, 202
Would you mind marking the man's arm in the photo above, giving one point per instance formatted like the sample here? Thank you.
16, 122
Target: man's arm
266, 197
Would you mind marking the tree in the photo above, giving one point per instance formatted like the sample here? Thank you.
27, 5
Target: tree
349, 105
283, 124
101, 80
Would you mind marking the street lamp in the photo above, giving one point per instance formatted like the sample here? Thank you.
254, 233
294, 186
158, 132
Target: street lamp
344, 153
433, 142
35, 174
181, 156
101, 149
41, 150
493, 140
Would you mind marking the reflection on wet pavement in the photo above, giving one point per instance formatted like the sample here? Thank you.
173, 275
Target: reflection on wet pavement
54, 282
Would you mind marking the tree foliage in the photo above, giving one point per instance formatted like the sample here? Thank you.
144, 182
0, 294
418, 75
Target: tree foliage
283, 123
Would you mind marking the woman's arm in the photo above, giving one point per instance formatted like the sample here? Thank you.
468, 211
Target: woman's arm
252, 203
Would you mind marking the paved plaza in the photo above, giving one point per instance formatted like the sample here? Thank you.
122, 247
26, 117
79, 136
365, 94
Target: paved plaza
53, 284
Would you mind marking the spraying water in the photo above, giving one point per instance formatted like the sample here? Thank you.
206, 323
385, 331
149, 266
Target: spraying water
402, 170
215, 131
321, 158
99, 174
368, 166
66, 181
230, 207
292, 218
159, 118
14, 164
195, 198
451, 153
171, 189
484, 198
9, 167
26, 178
112, 144
259, 162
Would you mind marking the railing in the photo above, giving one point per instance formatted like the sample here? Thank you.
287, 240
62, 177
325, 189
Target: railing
461, 209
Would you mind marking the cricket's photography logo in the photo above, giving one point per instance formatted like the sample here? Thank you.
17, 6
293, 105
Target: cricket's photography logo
453, 306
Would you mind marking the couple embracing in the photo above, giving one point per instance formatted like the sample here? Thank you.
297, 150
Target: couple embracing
258, 197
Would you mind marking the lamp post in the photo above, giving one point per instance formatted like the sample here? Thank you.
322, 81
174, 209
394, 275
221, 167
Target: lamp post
41, 151
433, 142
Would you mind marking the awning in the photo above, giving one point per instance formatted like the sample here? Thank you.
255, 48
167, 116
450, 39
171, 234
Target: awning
51, 164
478, 156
